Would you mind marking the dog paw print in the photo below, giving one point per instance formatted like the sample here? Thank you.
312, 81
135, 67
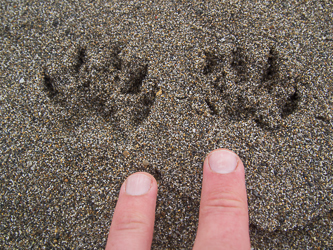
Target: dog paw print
236, 94
96, 79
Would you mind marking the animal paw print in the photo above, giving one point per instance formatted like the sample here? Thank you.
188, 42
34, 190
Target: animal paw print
97, 80
235, 93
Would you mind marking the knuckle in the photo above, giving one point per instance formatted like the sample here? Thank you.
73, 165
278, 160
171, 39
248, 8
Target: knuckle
224, 203
133, 222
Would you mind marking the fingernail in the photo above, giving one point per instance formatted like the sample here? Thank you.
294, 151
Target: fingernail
138, 184
222, 161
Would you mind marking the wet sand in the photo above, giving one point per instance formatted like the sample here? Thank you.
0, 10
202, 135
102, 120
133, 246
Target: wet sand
92, 92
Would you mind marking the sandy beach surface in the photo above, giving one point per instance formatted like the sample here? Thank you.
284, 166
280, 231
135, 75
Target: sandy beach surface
92, 91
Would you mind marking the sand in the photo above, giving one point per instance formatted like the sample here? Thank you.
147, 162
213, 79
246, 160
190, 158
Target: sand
94, 91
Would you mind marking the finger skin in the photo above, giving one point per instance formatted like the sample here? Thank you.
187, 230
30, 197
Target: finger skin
133, 220
223, 217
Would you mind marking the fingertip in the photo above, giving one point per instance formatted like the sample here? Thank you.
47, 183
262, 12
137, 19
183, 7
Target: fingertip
224, 161
223, 217
139, 183
223, 170
133, 220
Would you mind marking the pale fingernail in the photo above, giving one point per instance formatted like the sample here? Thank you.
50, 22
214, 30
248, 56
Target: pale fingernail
138, 184
222, 161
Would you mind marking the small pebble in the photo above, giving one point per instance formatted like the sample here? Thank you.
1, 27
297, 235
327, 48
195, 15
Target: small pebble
126, 153
145, 163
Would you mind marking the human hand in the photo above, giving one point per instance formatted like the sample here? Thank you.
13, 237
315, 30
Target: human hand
223, 216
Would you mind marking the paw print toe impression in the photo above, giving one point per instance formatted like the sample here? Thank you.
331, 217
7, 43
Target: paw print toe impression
98, 80
267, 101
